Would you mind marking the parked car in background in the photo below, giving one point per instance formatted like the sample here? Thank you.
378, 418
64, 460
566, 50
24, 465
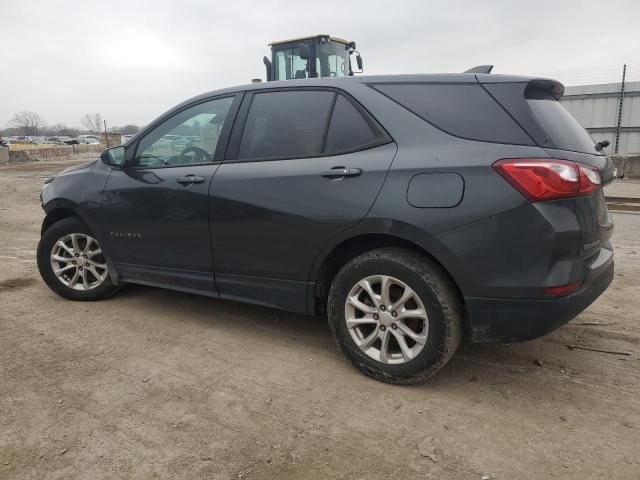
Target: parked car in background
409, 209
57, 140
88, 140
40, 141
5, 142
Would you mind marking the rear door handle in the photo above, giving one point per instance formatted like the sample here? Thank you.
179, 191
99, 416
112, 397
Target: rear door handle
190, 180
341, 172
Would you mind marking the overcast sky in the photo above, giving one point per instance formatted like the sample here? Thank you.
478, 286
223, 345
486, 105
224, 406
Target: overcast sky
131, 60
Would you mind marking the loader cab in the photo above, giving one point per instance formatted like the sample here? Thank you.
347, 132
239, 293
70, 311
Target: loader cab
311, 57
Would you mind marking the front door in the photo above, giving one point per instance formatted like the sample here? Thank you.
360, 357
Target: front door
309, 165
155, 210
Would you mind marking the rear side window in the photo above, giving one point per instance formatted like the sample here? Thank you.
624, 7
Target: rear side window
286, 124
563, 130
349, 130
464, 110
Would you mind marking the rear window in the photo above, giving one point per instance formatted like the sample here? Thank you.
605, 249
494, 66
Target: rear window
563, 131
286, 124
464, 110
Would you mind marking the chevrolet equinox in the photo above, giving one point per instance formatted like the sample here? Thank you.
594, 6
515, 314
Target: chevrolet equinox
411, 210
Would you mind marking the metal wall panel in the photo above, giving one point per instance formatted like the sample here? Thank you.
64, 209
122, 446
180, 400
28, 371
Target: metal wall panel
596, 108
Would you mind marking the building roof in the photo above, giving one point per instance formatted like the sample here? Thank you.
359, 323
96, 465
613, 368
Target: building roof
310, 37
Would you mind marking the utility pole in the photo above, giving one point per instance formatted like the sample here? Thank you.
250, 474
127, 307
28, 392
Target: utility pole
106, 137
620, 105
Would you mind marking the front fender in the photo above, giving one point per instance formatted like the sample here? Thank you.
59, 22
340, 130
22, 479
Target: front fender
79, 191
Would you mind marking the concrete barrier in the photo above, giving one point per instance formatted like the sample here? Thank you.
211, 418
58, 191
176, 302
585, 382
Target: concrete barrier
632, 166
82, 148
60, 152
40, 154
19, 156
619, 162
49, 153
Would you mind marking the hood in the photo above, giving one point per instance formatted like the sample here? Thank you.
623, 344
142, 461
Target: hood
78, 167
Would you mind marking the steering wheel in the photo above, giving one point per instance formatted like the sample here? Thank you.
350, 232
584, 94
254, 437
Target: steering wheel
200, 155
147, 156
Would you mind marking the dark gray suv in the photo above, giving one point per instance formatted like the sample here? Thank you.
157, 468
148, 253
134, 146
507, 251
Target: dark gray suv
410, 210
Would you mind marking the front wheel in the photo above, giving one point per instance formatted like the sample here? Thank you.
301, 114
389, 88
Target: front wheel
72, 263
395, 314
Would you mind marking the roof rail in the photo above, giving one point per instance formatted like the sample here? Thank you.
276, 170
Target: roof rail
480, 69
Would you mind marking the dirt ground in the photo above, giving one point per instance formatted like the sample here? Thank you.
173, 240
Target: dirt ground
159, 384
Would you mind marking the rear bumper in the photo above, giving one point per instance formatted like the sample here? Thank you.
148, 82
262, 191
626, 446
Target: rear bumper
514, 320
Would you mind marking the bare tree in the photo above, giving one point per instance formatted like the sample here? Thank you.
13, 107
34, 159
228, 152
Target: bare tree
60, 129
93, 122
29, 123
129, 129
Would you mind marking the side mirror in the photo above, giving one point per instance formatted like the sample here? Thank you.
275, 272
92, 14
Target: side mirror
113, 156
359, 61
305, 52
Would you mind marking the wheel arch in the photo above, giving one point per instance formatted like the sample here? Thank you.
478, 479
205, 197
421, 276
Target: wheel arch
55, 216
59, 209
326, 269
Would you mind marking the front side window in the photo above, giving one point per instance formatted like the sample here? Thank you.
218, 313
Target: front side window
286, 124
189, 137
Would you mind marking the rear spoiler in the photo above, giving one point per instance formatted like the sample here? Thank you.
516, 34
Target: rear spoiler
552, 87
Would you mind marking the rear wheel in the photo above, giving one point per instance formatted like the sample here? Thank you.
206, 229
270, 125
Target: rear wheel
72, 263
395, 314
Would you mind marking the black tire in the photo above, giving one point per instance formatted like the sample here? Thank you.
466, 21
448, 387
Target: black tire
49, 238
435, 290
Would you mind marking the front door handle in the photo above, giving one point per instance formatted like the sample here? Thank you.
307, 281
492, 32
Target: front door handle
190, 180
341, 172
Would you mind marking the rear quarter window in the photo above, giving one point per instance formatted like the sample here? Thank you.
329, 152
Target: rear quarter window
463, 110
350, 130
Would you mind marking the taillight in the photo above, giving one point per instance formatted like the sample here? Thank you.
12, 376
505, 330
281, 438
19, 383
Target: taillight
546, 179
590, 179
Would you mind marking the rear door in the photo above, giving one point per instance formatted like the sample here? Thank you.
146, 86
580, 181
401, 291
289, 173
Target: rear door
305, 165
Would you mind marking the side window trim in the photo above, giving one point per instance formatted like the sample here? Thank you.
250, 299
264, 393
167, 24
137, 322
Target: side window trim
243, 113
223, 142
328, 123
235, 138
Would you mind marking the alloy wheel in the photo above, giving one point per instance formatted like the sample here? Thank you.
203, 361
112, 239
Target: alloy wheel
78, 262
386, 319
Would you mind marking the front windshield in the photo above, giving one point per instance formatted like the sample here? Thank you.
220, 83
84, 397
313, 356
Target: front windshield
332, 60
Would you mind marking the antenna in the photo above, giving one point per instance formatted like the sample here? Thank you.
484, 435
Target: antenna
480, 69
